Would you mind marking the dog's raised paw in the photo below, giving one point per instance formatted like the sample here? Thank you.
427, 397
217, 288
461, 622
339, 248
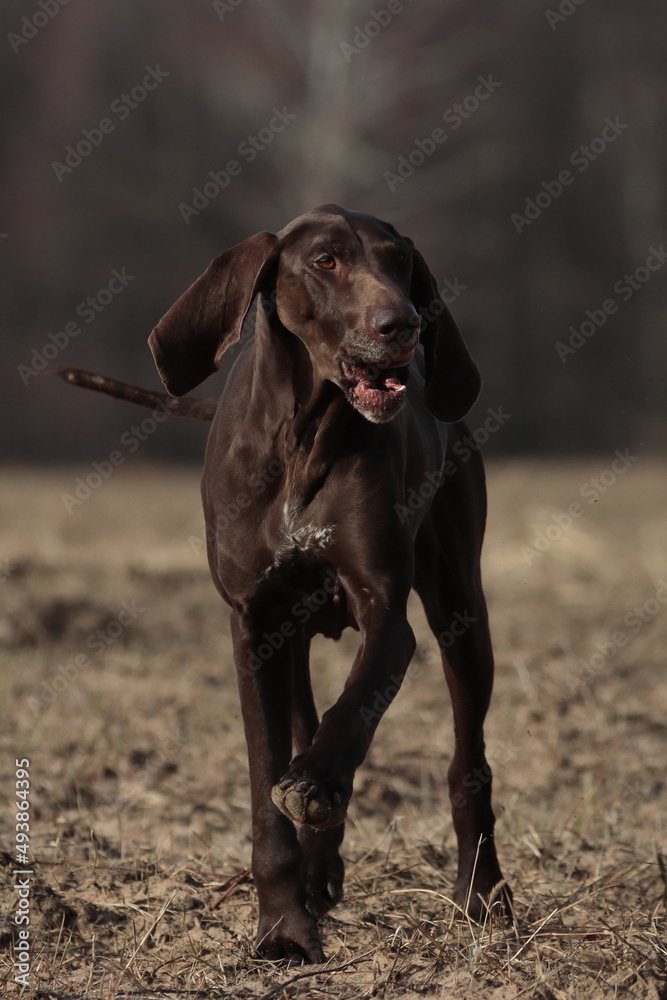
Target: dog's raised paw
308, 802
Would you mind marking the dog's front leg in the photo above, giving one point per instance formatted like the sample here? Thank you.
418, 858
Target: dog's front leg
316, 788
287, 930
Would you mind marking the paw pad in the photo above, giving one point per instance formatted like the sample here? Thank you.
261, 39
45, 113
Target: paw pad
308, 802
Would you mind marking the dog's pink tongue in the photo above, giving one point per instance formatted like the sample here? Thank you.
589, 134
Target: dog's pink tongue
362, 388
366, 391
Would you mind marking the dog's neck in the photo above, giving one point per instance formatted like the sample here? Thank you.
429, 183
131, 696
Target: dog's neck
306, 415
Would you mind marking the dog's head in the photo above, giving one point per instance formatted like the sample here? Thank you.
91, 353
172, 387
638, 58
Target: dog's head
357, 294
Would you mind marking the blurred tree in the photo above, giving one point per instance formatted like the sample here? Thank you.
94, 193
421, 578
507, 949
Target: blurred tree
364, 92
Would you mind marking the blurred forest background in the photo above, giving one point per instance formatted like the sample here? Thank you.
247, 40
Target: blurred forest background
521, 91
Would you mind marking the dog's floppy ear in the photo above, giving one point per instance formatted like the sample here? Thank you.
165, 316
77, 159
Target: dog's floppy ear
190, 339
452, 377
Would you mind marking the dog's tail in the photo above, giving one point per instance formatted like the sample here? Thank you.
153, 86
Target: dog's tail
201, 409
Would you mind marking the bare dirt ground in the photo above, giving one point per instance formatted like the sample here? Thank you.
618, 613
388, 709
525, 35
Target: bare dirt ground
117, 686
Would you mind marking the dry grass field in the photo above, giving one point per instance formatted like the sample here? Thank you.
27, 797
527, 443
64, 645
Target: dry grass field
117, 685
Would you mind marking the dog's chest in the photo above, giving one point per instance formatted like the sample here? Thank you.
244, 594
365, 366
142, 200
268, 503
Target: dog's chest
299, 536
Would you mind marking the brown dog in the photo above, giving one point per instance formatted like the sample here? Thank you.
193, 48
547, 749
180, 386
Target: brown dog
333, 414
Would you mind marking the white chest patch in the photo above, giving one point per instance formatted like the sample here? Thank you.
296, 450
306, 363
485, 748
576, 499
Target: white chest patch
302, 536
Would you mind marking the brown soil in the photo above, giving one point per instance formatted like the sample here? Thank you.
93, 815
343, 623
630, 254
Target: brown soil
138, 793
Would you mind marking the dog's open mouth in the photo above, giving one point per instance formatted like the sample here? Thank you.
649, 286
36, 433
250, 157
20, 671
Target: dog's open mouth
374, 388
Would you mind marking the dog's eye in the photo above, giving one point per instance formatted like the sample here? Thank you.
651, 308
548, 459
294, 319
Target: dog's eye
326, 261
401, 258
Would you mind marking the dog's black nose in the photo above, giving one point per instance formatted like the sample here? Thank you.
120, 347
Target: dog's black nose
389, 323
